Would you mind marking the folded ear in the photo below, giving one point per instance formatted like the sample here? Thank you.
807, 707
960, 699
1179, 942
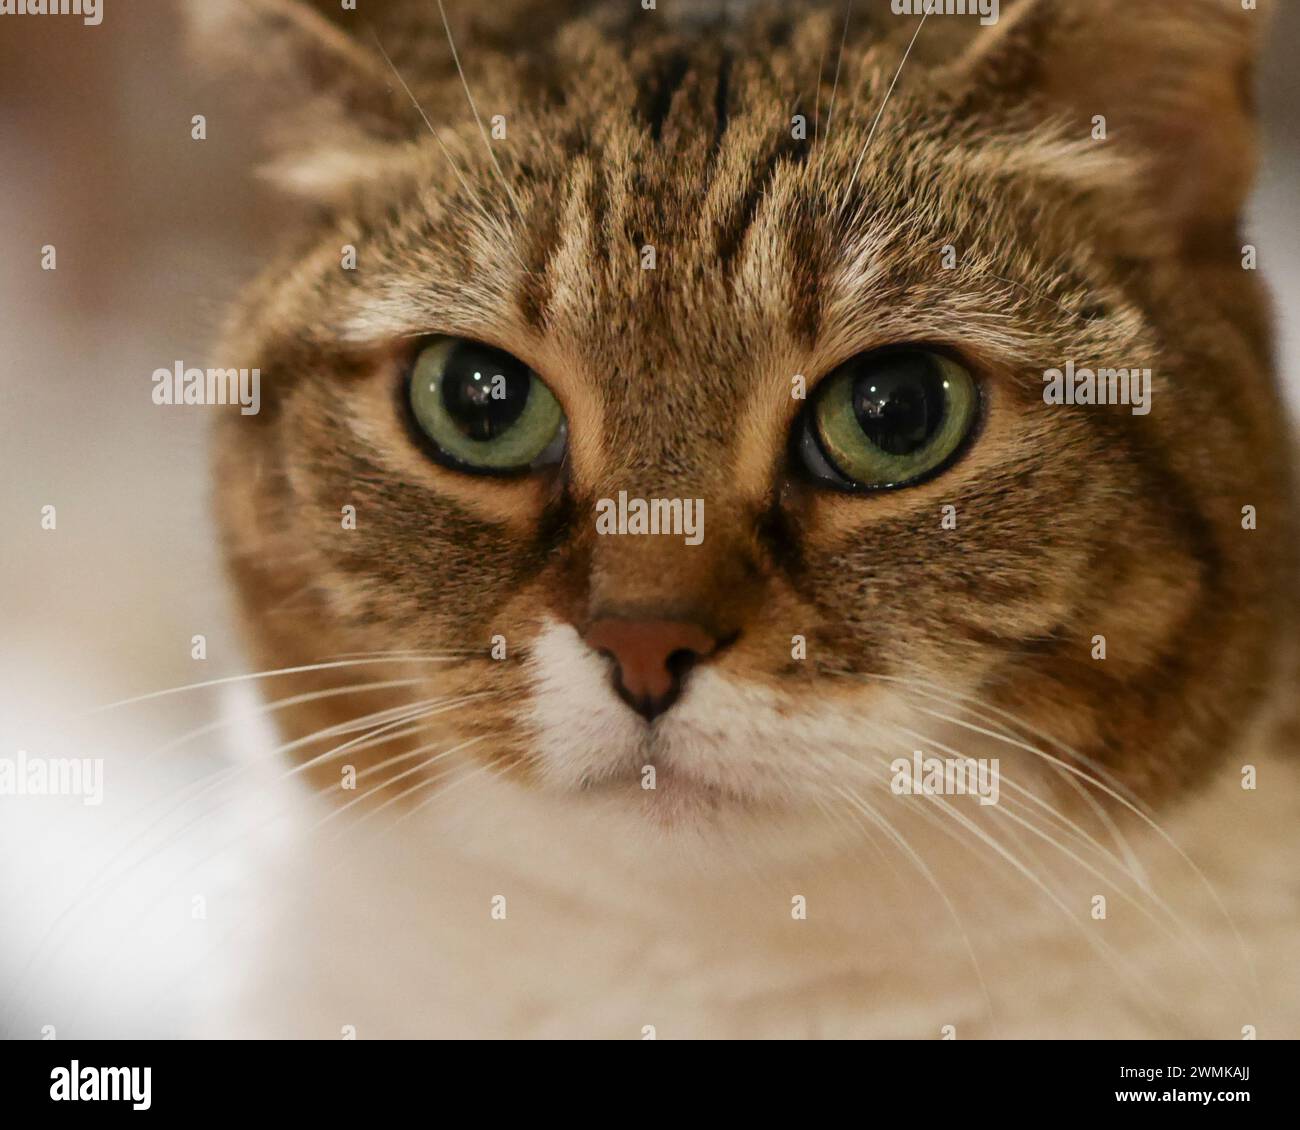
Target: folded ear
333, 106
1168, 83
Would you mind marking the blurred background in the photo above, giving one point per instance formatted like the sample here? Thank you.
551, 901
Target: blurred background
154, 232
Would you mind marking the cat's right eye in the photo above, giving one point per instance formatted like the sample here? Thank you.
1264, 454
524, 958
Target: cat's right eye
483, 410
887, 419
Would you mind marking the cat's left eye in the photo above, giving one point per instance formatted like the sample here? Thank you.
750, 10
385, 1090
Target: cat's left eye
886, 420
483, 410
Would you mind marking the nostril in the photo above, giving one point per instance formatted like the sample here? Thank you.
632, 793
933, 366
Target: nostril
681, 661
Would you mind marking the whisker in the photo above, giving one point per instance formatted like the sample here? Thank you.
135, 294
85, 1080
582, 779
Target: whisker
1117, 836
474, 110
833, 814
101, 880
1149, 822
853, 179
388, 781
226, 772
985, 838
281, 672
417, 787
1144, 887
835, 86
1029, 794
924, 689
884, 825
1113, 792
243, 924
817, 102
486, 767
1098, 944
494, 222
434, 707
271, 708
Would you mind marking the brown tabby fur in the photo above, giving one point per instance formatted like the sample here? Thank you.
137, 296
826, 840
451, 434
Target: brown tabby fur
775, 257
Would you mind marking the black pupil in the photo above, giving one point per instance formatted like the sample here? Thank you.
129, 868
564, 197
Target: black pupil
900, 402
484, 390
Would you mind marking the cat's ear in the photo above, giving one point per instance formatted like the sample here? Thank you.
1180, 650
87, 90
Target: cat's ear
332, 106
1168, 83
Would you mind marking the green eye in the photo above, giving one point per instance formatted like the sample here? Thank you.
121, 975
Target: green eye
483, 410
888, 419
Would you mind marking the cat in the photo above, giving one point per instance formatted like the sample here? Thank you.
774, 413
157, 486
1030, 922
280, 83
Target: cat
809, 265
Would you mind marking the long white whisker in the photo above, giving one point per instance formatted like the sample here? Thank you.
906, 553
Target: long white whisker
271, 708
434, 707
389, 781
868, 811
1033, 798
1098, 777
486, 767
474, 110
983, 836
880, 113
260, 675
494, 222
1004, 811
835, 86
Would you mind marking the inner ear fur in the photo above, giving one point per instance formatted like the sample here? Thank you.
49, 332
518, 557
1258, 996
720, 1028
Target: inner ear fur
331, 104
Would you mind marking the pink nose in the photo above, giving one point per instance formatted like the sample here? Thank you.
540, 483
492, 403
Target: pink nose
651, 658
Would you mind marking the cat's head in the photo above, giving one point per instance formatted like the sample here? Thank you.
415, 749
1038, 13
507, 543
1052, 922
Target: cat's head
800, 281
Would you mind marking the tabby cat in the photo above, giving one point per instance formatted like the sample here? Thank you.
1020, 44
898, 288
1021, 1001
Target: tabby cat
800, 270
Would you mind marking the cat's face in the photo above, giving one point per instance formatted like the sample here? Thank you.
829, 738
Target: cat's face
828, 344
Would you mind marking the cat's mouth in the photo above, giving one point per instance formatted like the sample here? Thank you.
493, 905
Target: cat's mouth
677, 798
669, 795
722, 747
